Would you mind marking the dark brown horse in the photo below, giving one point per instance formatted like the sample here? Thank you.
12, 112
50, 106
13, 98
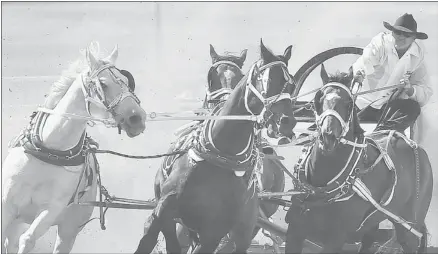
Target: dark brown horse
343, 173
223, 76
203, 189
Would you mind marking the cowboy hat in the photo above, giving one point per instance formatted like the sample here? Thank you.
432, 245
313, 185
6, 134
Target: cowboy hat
406, 24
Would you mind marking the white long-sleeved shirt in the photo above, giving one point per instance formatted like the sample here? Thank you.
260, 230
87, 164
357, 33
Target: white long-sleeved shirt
383, 67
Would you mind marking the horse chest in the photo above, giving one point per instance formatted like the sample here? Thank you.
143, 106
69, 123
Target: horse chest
42, 185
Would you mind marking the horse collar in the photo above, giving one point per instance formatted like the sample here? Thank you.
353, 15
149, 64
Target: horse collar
337, 189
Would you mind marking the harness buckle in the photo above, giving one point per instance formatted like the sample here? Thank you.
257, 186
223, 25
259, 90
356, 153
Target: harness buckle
54, 156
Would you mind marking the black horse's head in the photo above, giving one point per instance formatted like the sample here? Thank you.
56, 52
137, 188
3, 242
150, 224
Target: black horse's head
335, 110
223, 76
273, 86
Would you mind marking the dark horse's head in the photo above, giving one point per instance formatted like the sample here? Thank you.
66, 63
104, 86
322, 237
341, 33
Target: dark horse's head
223, 76
336, 114
273, 88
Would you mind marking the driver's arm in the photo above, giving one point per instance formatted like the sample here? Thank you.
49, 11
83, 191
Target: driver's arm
373, 55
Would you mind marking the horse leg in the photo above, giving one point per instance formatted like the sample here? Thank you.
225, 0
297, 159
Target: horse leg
208, 242
161, 216
75, 219
409, 242
39, 226
9, 216
227, 244
243, 236
66, 237
15, 230
242, 232
368, 240
7, 221
169, 231
294, 240
334, 243
184, 239
152, 229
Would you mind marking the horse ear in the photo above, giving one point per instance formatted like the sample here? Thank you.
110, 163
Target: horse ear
242, 57
287, 53
91, 59
113, 56
264, 52
131, 80
256, 70
317, 102
324, 75
357, 128
213, 54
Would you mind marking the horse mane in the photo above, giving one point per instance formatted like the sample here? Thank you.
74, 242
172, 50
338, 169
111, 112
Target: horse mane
60, 87
345, 79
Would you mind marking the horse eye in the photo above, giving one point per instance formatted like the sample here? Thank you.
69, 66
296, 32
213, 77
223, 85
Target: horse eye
103, 85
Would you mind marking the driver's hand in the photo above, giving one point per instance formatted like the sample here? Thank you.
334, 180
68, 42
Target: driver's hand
359, 76
407, 86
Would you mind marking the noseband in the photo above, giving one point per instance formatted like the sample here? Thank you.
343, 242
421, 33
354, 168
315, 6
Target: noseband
92, 84
330, 112
223, 91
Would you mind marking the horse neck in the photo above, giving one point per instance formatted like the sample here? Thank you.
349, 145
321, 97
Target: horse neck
323, 168
62, 133
232, 136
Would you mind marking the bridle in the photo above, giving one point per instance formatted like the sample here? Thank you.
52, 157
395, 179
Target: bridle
263, 77
224, 91
330, 112
92, 85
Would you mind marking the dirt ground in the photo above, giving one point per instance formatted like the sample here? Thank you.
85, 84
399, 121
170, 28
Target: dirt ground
166, 47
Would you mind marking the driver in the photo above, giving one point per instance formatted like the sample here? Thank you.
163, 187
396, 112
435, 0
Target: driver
391, 58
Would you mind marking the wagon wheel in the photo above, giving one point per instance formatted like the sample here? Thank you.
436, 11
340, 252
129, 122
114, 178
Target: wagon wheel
303, 73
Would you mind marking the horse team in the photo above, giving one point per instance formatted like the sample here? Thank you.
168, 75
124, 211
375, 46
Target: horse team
351, 181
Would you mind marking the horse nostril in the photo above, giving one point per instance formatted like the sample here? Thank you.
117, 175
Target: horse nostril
134, 119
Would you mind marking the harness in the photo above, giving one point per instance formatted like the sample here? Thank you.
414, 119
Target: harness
93, 91
244, 160
348, 181
30, 140
338, 189
222, 92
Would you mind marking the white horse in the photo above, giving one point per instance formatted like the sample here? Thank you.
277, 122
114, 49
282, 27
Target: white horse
49, 169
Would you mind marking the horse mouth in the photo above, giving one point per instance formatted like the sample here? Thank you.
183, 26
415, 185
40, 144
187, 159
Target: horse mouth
133, 131
281, 130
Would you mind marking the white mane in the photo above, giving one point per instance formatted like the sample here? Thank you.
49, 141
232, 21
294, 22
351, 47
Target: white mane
60, 87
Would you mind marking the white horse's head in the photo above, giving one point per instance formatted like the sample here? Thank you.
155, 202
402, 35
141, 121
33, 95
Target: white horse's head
108, 93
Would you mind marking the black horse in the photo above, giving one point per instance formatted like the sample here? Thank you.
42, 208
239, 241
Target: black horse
350, 176
203, 189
